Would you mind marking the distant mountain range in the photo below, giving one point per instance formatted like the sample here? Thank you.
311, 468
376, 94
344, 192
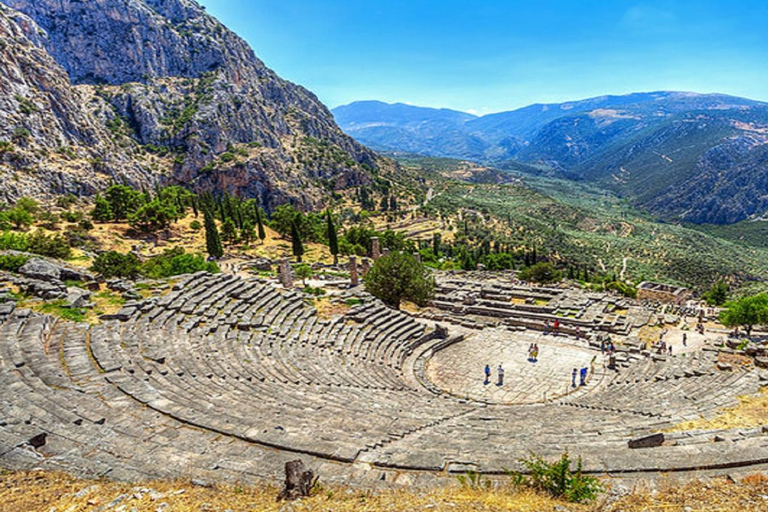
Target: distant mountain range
700, 158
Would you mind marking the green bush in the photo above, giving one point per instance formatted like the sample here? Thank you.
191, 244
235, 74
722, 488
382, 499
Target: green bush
153, 216
53, 246
541, 273
558, 479
174, 262
19, 217
317, 292
116, 264
12, 262
717, 295
14, 242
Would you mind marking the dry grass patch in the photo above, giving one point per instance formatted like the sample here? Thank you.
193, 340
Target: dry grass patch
327, 309
649, 334
752, 411
38, 491
717, 495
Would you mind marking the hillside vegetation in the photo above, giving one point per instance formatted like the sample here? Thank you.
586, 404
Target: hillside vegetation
585, 226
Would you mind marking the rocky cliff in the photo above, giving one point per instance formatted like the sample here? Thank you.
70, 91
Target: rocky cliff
50, 141
182, 91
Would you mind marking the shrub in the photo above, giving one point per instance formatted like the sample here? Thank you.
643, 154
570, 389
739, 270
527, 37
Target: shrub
176, 261
12, 262
6, 147
102, 210
152, 216
19, 217
115, 264
195, 225
72, 216
304, 272
541, 273
317, 292
53, 246
717, 295
14, 242
557, 479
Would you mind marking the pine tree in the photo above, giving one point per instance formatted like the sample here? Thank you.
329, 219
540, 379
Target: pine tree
260, 224
102, 210
229, 231
247, 233
212, 239
436, 241
393, 203
333, 239
298, 247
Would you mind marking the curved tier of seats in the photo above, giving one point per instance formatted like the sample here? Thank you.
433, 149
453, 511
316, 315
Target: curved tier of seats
227, 378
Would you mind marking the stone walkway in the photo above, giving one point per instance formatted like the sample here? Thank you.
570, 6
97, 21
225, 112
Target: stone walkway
459, 368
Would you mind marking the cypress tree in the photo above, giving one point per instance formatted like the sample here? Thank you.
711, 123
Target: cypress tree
298, 247
333, 239
212, 239
260, 224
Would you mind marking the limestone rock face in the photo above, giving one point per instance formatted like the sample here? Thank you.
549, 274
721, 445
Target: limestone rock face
178, 92
45, 124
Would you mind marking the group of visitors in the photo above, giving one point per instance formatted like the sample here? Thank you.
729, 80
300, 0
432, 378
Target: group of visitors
607, 347
553, 328
533, 353
581, 374
499, 372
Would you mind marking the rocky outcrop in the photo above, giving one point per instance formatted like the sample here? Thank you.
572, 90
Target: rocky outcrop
178, 85
49, 141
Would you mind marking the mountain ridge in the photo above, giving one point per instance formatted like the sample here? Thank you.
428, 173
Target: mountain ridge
177, 90
622, 143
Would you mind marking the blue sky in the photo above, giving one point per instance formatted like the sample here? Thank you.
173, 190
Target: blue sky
493, 55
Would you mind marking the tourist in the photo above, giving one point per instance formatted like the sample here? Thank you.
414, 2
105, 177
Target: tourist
583, 381
501, 376
487, 374
573, 377
685, 339
578, 332
556, 327
547, 328
534, 353
670, 349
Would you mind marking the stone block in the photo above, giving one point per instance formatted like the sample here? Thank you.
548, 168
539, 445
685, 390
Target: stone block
650, 441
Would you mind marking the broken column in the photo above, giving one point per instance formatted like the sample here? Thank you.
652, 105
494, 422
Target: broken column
375, 248
365, 266
417, 256
386, 251
286, 275
354, 277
